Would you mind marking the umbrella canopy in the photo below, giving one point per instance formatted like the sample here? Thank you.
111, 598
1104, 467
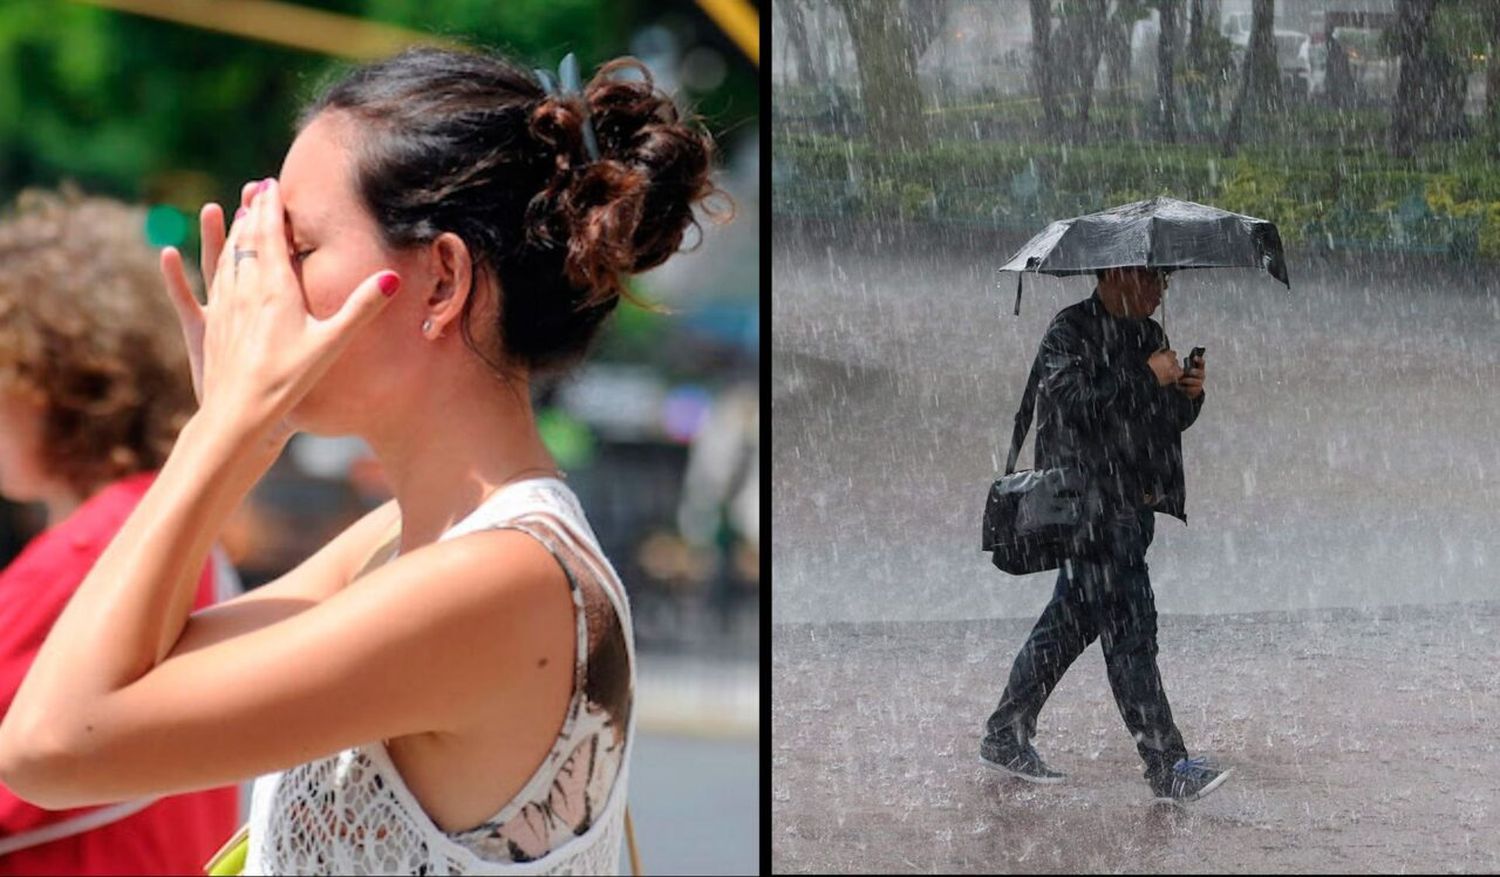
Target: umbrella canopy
1160, 233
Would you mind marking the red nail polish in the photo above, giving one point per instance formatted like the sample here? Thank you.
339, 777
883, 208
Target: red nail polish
389, 282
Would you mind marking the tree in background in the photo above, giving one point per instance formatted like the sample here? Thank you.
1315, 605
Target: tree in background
1195, 47
1207, 68
1260, 76
1042, 67
1068, 40
1454, 41
1457, 41
1166, 49
1492, 75
887, 73
1122, 18
893, 101
924, 20
1413, 22
795, 18
1195, 78
1117, 47
1085, 25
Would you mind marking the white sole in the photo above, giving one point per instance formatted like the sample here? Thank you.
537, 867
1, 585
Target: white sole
1041, 781
1203, 792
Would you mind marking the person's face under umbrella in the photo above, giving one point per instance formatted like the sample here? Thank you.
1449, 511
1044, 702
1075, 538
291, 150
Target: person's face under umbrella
1140, 289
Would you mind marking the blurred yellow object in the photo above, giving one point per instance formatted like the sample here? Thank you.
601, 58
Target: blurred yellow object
230, 859
343, 36
740, 21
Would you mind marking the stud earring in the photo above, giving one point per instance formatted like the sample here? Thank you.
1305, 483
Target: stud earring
426, 325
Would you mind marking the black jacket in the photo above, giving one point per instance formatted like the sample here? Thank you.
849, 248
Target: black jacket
1100, 409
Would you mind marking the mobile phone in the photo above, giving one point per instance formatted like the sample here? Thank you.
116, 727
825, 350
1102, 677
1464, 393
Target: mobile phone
1188, 362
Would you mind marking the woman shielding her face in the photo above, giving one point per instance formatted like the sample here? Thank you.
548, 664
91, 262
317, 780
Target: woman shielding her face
445, 227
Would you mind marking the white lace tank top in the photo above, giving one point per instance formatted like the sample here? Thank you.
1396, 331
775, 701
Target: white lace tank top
351, 812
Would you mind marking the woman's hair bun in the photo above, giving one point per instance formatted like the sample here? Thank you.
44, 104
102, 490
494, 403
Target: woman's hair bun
471, 143
629, 210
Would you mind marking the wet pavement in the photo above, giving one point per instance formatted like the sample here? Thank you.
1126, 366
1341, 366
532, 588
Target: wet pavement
1362, 740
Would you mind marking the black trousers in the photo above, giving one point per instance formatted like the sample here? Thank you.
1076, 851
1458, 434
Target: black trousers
1102, 593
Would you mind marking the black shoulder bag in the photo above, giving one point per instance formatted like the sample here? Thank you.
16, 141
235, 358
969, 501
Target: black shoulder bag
1032, 515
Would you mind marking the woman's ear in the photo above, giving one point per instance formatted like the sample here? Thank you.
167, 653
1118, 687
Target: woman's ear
452, 269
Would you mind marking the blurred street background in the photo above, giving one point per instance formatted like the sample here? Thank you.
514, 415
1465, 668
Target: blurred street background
171, 104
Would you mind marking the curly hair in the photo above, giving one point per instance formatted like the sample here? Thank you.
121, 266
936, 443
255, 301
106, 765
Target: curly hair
86, 328
470, 143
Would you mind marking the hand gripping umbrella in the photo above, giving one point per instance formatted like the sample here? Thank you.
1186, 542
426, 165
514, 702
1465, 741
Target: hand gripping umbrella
1160, 233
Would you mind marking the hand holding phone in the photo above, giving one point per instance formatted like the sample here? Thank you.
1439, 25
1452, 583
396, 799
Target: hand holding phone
1187, 363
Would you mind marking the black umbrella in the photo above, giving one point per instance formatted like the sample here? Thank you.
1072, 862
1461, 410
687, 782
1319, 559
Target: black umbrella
1160, 233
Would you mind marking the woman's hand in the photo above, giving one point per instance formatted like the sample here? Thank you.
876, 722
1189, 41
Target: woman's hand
254, 348
189, 312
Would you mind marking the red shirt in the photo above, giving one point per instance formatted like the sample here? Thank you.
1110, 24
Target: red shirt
175, 835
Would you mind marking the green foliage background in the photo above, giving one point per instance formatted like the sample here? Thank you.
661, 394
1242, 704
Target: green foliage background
1324, 173
150, 110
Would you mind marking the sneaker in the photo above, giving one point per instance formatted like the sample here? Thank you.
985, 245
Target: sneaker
1189, 780
1022, 762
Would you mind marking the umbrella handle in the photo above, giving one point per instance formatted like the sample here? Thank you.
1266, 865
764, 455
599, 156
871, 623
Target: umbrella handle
1019, 275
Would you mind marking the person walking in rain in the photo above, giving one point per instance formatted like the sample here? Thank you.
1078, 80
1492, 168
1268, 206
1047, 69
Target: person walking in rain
1113, 403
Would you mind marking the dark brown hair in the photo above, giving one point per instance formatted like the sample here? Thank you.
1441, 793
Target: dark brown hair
470, 143
87, 330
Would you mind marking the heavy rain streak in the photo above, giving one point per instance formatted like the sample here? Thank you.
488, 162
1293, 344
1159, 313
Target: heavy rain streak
1326, 623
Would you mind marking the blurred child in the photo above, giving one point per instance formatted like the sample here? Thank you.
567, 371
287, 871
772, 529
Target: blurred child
94, 386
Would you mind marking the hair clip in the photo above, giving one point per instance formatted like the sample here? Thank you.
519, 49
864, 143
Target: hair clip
567, 71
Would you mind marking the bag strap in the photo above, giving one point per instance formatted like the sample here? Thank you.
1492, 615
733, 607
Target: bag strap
1025, 413
74, 825
635, 857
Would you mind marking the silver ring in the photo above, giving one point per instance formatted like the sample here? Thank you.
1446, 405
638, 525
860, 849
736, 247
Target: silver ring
243, 254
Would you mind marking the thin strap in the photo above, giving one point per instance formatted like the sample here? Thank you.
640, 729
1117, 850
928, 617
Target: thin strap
76, 825
594, 564
635, 856
1024, 414
558, 517
522, 525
